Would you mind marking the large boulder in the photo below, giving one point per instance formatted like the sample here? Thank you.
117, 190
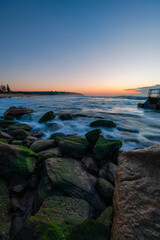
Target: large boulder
73, 146
17, 112
47, 117
41, 145
59, 212
105, 149
5, 220
137, 195
103, 123
14, 159
68, 177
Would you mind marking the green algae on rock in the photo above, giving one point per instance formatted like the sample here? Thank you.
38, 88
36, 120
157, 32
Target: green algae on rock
106, 217
105, 148
90, 230
47, 117
59, 214
19, 134
73, 146
93, 135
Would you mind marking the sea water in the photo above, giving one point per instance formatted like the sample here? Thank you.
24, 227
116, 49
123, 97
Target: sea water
136, 127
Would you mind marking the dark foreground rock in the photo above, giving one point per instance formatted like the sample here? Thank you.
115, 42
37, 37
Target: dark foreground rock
5, 220
137, 195
17, 112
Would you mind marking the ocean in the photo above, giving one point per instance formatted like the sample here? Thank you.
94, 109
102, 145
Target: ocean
136, 127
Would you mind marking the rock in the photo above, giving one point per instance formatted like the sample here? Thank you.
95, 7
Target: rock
105, 149
93, 135
53, 152
29, 140
8, 118
17, 112
106, 217
41, 145
3, 140
5, 135
47, 117
66, 116
17, 142
111, 174
16, 159
6, 123
105, 188
137, 195
35, 229
91, 166
67, 176
61, 212
5, 220
73, 146
103, 123
90, 230
54, 135
23, 126
19, 134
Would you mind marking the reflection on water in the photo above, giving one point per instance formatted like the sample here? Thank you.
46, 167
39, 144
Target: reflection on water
136, 127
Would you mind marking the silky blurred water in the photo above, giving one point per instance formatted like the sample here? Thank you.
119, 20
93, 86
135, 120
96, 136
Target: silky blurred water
135, 127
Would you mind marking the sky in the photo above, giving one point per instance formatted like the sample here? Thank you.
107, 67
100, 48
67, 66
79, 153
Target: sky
89, 46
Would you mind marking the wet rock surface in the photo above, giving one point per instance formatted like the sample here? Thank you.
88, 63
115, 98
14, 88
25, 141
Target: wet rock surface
137, 195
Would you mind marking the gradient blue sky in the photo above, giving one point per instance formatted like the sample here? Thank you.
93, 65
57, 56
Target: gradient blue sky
89, 46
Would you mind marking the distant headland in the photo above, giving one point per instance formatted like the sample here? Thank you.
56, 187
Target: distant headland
6, 92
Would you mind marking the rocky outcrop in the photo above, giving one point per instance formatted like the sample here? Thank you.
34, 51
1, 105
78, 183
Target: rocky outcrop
137, 195
17, 112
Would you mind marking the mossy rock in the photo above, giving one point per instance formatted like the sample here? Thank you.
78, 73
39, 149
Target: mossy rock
90, 230
47, 117
35, 229
46, 156
93, 135
58, 213
105, 148
106, 217
66, 116
4, 211
20, 126
103, 123
73, 146
41, 145
19, 134
3, 140
92, 168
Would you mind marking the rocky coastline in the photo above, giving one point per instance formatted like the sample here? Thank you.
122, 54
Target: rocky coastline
74, 188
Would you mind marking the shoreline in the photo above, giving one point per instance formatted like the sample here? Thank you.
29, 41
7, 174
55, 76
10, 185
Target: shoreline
18, 95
